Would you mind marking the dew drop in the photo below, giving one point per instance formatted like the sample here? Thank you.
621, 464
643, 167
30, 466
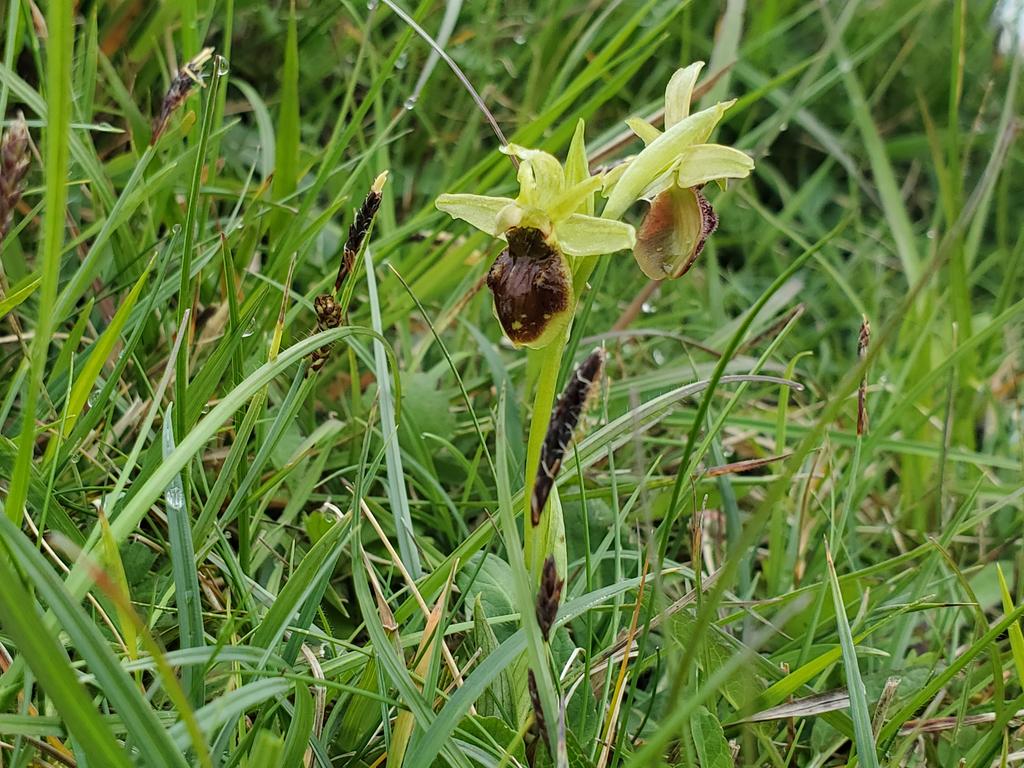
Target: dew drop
175, 496
93, 397
402, 61
519, 39
659, 357
250, 329
410, 103
647, 308
371, 5
223, 66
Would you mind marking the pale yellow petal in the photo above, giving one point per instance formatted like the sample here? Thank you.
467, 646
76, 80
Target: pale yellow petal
643, 129
575, 199
541, 177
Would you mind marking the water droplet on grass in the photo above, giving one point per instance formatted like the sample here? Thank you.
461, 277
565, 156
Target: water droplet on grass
175, 496
410, 103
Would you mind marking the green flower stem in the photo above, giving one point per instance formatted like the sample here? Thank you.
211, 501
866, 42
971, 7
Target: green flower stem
543, 540
536, 539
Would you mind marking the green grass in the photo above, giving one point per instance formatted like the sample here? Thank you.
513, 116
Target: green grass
235, 605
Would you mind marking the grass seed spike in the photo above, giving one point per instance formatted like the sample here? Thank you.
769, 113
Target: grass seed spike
329, 312
564, 420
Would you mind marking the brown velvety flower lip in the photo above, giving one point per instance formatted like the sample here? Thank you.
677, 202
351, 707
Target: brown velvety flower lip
530, 283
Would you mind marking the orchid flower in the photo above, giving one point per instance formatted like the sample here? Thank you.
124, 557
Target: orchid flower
545, 230
670, 172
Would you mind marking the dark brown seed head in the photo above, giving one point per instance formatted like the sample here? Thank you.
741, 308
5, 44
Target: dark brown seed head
328, 311
14, 164
564, 420
539, 726
532, 288
864, 338
188, 77
358, 230
328, 315
549, 596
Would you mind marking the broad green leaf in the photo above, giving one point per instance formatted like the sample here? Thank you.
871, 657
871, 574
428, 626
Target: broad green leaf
492, 587
709, 740
507, 696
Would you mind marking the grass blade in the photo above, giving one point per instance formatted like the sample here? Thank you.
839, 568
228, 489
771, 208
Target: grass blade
59, 52
397, 495
863, 734
185, 569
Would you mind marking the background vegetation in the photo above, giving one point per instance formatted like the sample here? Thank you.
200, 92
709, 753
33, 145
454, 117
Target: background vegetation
214, 558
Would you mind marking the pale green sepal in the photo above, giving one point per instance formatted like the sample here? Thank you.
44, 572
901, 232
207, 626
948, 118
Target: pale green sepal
704, 162
679, 93
479, 210
577, 167
581, 235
